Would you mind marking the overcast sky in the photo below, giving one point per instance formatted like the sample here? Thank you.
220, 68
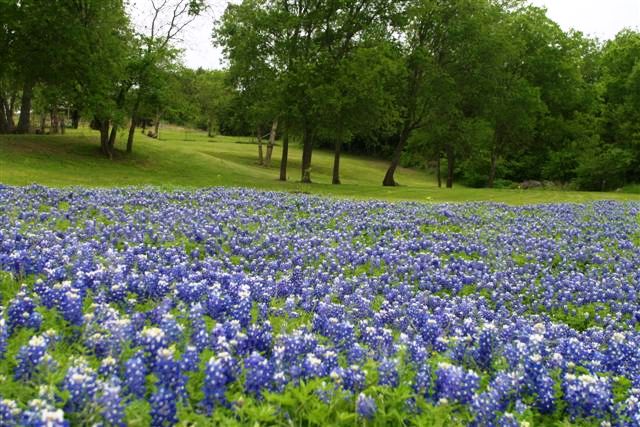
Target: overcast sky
599, 18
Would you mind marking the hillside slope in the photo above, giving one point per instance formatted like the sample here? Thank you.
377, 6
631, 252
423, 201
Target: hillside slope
187, 158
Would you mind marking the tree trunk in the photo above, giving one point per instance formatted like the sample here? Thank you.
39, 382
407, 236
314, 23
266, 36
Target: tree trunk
4, 125
439, 172
307, 149
43, 123
54, 121
75, 119
492, 170
134, 123
336, 163
24, 122
132, 131
4, 122
260, 154
112, 139
6, 114
157, 125
9, 107
285, 154
272, 143
62, 125
210, 128
389, 180
450, 165
103, 126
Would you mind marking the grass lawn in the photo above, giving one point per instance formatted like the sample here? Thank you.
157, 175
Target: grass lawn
188, 158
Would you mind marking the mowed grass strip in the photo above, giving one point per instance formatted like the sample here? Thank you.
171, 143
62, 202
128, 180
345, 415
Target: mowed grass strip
184, 158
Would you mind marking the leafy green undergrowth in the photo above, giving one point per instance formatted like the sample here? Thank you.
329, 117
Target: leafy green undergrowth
308, 403
580, 317
316, 403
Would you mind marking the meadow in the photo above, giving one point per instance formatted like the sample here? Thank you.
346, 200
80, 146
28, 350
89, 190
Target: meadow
174, 281
243, 307
185, 285
184, 158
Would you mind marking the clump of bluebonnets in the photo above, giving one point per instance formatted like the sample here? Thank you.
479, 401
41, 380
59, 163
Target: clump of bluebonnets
176, 306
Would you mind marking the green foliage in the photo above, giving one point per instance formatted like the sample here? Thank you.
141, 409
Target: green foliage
473, 289
9, 287
302, 63
581, 317
621, 387
212, 96
523, 100
496, 88
137, 413
561, 165
603, 167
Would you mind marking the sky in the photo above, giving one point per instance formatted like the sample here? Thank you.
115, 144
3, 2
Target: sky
598, 18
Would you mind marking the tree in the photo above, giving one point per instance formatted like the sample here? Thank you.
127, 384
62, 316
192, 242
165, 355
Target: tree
102, 53
357, 99
156, 54
213, 96
511, 104
620, 84
31, 22
248, 34
445, 50
551, 63
286, 51
8, 87
77, 53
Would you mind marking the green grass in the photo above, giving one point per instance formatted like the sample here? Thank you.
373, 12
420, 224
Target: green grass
189, 159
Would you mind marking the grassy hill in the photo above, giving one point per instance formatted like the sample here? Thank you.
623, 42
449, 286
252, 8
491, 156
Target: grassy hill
188, 158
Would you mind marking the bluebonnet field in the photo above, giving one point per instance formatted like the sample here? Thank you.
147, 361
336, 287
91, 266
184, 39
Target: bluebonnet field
236, 307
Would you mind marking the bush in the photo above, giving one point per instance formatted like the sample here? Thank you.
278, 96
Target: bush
475, 170
631, 189
560, 166
504, 184
603, 168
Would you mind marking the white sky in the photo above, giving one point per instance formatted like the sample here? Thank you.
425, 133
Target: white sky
597, 18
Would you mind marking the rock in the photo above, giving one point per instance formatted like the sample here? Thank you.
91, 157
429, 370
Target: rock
529, 184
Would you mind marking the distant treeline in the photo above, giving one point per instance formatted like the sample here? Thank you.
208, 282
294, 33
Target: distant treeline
487, 92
